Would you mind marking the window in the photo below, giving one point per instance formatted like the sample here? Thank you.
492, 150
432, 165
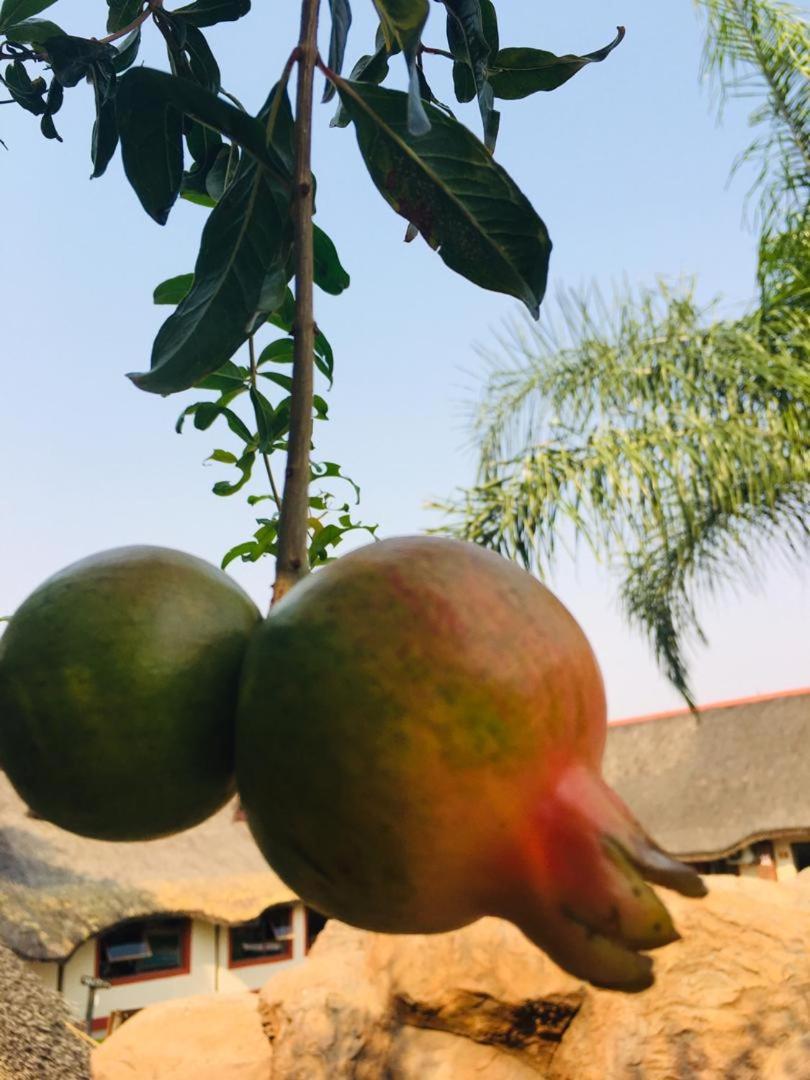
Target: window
715, 866
801, 855
263, 940
315, 923
144, 949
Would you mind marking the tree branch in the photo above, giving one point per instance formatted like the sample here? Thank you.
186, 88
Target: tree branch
293, 561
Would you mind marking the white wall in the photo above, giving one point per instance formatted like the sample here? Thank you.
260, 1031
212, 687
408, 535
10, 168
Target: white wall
135, 995
209, 972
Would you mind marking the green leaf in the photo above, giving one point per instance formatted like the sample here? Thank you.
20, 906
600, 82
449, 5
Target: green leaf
33, 31
246, 237
121, 13
205, 147
324, 357
489, 18
105, 128
281, 420
13, 12
329, 273
223, 457
229, 380
516, 73
277, 352
245, 466
202, 61
154, 89
463, 81
402, 24
151, 132
210, 12
284, 381
469, 44
53, 103
72, 58
368, 69
173, 290
127, 52
284, 315
28, 93
265, 417
341, 22
222, 171
241, 551
321, 470
447, 184
206, 412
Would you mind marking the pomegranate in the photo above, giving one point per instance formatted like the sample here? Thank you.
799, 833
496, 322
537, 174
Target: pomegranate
419, 737
118, 684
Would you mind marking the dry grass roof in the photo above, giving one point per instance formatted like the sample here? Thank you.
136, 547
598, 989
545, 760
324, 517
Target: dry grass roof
57, 889
703, 788
35, 1040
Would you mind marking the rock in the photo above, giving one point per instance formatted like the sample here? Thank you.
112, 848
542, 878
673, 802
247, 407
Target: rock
790, 1062
203, 1038
731, 1001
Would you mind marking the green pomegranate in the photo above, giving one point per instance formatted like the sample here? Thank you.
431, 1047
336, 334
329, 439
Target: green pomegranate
419, 739
118, 685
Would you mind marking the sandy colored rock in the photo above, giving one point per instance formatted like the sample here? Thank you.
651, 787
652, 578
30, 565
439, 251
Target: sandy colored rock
731, 1000
203, 1038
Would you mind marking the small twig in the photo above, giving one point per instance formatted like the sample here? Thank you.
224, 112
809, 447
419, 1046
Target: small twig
293, 559
265, 457
436, 52
151, 7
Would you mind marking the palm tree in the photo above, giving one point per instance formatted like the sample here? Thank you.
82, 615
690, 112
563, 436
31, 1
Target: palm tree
675, 443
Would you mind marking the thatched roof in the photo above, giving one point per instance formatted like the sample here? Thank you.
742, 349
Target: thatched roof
35, 1040
57, 889
705, 787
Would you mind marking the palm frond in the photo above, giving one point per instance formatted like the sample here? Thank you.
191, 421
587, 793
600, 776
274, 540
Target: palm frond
664, 440
760, 50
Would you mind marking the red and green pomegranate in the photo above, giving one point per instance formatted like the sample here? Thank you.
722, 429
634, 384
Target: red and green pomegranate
419, 739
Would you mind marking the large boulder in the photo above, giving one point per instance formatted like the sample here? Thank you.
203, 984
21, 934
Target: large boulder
202, 1038
732, 1000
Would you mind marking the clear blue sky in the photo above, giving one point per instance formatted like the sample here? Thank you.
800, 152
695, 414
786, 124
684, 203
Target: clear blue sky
626, 164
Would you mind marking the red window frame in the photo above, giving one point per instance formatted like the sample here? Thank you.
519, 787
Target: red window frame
267, 958
147, 976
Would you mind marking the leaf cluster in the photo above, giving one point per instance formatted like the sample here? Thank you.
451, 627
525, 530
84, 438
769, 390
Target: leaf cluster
181, 134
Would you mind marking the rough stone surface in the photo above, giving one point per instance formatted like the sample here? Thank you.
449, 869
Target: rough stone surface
731, 1002
202, 1038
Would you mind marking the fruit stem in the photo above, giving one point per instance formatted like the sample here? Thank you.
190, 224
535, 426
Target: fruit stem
292, 561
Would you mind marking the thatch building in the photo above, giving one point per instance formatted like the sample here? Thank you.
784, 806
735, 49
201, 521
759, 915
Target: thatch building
199, 912
729, 789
